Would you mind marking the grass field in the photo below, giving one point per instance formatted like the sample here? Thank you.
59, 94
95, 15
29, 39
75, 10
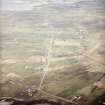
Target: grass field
28, 48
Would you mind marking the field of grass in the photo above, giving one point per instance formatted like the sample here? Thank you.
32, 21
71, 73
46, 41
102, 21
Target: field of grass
71, 66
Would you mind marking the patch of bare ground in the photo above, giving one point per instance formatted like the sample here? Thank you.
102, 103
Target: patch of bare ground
77, 100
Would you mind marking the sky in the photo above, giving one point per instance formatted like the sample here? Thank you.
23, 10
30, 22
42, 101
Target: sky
18, 5
21, 5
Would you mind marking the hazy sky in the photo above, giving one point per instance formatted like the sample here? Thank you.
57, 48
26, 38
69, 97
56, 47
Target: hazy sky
16, 5
21, 5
